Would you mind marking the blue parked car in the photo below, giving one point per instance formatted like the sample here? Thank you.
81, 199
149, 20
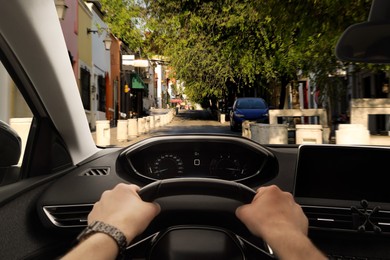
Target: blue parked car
248, 108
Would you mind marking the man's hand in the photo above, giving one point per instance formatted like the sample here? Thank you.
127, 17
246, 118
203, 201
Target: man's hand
123, 208
274, 216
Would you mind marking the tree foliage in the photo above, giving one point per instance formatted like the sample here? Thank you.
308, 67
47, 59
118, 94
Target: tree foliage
213, 44
126, 21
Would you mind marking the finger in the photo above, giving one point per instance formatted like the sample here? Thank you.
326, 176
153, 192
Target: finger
134, 189
240, 211
157, 208
259, 192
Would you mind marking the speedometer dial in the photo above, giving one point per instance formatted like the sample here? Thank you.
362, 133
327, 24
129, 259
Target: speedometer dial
167, 166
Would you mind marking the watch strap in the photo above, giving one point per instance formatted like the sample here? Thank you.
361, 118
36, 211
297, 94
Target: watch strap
101, 227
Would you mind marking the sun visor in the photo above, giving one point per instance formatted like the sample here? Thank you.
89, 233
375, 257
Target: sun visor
365, 42
368, 42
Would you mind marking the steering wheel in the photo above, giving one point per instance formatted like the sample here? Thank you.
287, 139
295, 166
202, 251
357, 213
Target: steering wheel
197, 221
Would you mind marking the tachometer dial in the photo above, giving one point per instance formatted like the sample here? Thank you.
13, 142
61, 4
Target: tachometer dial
227, 167
167, 166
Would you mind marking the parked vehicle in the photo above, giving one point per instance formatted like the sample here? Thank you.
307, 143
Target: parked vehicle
199, 179
248, 108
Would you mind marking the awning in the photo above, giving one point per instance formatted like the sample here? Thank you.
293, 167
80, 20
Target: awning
176, 100
129, 60
136, 82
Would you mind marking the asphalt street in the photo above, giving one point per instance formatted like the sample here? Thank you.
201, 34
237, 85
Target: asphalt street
194, 121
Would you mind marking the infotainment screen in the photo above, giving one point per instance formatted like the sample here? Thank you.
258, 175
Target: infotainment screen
343, 173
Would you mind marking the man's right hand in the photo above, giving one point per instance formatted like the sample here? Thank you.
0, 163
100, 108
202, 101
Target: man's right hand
274, 216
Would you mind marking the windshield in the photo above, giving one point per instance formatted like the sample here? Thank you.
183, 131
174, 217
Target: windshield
184, 65
312, 87
250, 104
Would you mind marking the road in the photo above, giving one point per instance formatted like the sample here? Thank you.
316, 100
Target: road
185, 122
194, 121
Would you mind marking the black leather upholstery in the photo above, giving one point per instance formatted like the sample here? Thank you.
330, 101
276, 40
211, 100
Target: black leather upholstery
10, 150
197, 186
10, 145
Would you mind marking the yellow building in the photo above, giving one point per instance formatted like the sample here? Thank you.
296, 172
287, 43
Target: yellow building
85, 61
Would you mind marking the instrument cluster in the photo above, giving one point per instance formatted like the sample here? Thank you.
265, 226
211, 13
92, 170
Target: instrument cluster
226, 158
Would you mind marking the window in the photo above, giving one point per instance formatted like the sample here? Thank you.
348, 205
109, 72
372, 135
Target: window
251, 104
85, 81
102, 93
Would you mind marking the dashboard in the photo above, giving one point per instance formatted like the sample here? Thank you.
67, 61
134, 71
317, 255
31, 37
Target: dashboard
215, 157
342, 190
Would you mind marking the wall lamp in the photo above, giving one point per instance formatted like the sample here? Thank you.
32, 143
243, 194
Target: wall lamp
107, 41
89, 30
61, 8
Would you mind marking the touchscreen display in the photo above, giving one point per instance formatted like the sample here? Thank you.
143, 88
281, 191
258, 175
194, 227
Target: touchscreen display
343, 173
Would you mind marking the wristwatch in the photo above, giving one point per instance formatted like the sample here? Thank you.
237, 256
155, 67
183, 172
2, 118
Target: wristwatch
101, 227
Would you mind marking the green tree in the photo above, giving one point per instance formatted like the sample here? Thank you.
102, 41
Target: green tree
238, 45
127, 21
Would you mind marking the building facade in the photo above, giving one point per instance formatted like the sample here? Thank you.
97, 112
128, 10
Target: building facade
100, 74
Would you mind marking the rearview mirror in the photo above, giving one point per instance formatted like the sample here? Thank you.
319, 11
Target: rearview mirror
368, 42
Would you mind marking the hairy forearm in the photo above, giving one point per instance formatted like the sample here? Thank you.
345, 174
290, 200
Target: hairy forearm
97, 246
295, 246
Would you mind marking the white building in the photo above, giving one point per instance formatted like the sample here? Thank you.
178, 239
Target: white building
162, 91
100, 64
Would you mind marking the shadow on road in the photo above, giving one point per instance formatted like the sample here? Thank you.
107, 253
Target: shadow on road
194, 115
195, 121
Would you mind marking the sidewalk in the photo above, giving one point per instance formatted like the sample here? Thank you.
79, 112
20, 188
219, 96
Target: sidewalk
113, 132
187, 121
114, 141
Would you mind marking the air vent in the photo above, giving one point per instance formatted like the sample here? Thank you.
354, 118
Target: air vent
329, 218
103, 171
346, 219
69, 215
382, 219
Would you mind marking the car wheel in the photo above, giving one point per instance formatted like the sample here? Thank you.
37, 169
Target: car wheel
232, 127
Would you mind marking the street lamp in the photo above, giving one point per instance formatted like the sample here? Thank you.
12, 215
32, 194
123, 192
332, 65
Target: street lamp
61, 8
